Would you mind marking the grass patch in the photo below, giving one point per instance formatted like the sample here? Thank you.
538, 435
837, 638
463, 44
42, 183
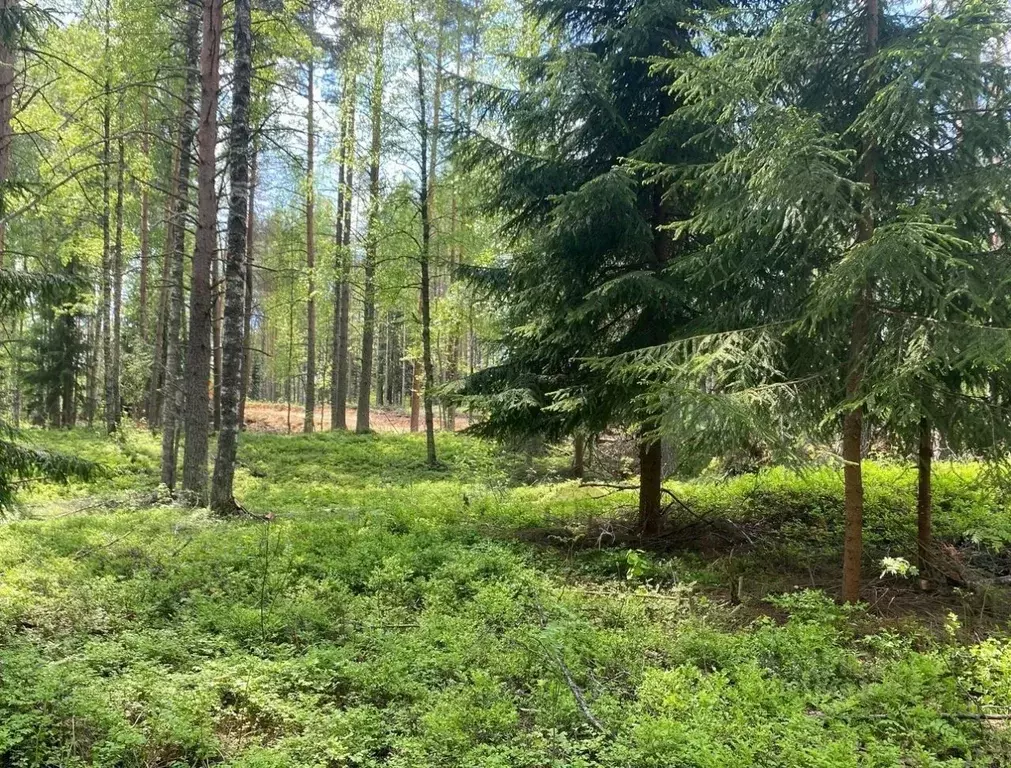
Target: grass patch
392, 615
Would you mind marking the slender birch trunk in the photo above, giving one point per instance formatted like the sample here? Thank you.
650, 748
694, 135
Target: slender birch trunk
107, 351
158, 354
8, 73
247, 313
222, 496
145, 235
218, 309
117, 293
337, 407
343, 358
372, 242
425, 205
925, 457
310, 256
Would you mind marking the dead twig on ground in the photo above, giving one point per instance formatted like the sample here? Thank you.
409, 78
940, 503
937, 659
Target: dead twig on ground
577, 692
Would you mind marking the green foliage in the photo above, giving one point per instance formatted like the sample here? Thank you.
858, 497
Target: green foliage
587, 275
386, 615
19, 463
838, 178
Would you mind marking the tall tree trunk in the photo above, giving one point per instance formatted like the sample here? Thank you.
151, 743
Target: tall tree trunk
291, 352
95, 333
218, 305
198, 352
415, 391
105, 326
852, 453
158, 355
382, 349
68, 418
434, 247
578, 454
453, 359
403, 361
650, 479
925, 457
117, 292
310, 257
247, 311
852, 437
222, 497
427, 209
171, 397
335, 336
145, 247
107, 352
392, 356
343, 358
8, 73
372, 243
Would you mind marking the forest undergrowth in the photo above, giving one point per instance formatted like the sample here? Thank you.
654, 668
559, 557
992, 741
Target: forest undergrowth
370, 611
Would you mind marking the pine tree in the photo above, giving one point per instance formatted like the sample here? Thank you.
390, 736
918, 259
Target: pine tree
198, 345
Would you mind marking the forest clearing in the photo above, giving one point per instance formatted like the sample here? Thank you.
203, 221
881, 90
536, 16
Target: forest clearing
277, 417
377, 612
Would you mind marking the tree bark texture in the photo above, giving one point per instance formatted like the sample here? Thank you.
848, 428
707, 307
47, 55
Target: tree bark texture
371, 245
171, 398
925, 457
198, 349
222, 496
426, 207
852, 437
650, 482
247, 313
8, 73
343, 362
107, 350
310, 258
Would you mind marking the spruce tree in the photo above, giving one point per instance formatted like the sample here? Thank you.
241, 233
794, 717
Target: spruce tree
19, 462
588, 276
859, 157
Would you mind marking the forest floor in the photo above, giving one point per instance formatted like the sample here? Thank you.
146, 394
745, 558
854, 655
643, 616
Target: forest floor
490, 613
263, 416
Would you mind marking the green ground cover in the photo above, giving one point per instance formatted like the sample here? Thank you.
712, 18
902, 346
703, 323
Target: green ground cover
391, 615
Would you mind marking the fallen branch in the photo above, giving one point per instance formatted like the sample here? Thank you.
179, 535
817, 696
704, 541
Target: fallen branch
577, 692
85, 508
643, 595
91, 550
620, 487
